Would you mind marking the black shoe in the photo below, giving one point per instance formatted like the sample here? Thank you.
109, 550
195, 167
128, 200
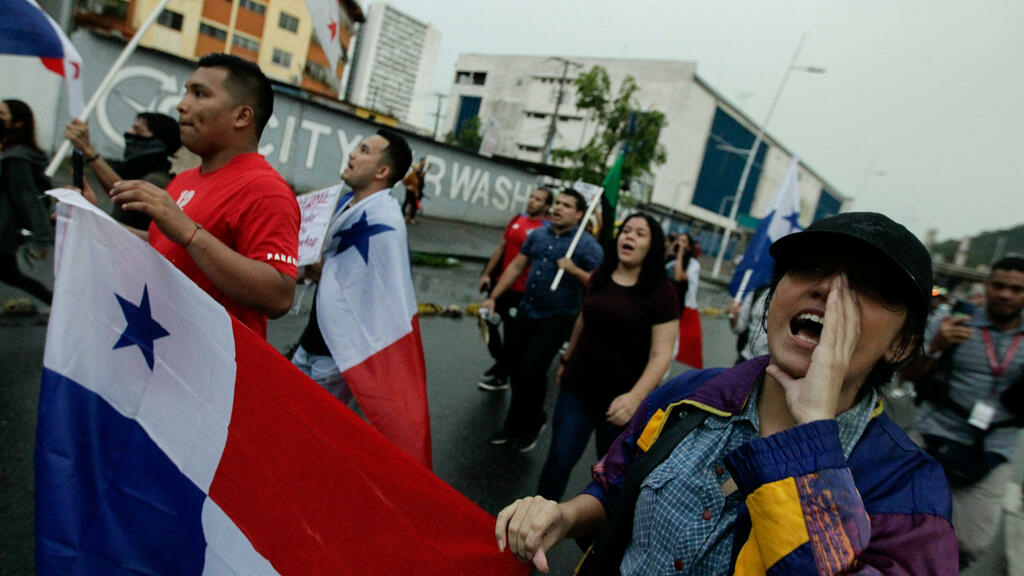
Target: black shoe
526, 442
499, 437
492, 383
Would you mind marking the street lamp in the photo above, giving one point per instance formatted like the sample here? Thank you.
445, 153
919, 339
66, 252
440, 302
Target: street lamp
752, 153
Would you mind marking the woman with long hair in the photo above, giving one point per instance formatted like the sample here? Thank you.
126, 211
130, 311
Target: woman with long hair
685, 273
22, 183
784, 464
621, 345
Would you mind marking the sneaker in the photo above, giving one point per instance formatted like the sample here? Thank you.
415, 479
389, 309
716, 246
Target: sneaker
492, 383
527, 442
499, 437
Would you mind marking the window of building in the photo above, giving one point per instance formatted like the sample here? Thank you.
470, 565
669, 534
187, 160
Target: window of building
288, 22
318, 72
213, 31
282, 58
245, 43
170, 19
474, 78
253, 6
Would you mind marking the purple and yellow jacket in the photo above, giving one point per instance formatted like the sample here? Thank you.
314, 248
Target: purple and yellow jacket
808, 509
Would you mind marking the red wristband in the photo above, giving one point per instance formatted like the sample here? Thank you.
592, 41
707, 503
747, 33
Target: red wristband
194, 232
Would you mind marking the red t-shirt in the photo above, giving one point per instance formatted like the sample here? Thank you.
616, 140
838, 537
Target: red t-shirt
515, 234
246, 205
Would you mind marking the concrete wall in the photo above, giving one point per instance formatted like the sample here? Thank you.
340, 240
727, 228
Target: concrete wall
306, 142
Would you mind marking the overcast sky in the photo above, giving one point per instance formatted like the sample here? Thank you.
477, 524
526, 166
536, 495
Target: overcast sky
918, 115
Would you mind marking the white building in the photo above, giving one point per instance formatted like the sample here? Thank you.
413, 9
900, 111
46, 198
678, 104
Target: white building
393, 65
705, 139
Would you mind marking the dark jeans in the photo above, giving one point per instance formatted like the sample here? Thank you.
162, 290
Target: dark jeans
507, 301
10, 274
412, 201
573, 424
533, 345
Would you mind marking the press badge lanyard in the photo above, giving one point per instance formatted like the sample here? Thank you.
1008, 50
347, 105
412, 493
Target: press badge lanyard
997, 367
983, 412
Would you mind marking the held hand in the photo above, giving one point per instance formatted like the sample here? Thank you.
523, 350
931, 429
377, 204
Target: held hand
77, 132
568, 265
530, 527
488, 304
622, 408
89, 194
734, 312
950, 333
141, 196
485, 283
816, 395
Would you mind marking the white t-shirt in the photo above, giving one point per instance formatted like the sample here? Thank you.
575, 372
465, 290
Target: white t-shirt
693, 278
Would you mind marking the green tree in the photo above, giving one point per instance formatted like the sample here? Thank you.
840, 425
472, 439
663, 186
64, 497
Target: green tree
618, 118
469, 137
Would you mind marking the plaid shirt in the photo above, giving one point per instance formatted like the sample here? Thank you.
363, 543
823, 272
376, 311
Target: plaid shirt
683, 522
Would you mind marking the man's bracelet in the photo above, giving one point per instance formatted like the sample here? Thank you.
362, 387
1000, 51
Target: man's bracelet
91, 159
194, 232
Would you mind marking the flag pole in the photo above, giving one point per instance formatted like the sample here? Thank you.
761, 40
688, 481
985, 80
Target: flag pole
576, 238
107, 83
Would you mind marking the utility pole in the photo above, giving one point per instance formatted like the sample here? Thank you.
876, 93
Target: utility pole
437, 113
550, 140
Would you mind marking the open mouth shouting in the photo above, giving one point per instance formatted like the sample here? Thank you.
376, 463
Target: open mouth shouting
806, 327
627, 248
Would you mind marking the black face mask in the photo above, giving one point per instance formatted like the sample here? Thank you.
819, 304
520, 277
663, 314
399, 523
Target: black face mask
136, 146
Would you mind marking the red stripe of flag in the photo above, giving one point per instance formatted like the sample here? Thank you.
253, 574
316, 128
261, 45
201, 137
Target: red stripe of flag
391, 387
317, 491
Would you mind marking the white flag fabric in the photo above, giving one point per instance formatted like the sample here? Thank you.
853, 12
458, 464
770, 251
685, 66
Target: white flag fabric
782, 218
326, 24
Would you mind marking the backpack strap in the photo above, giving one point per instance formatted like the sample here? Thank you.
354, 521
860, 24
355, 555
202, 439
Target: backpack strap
605, 555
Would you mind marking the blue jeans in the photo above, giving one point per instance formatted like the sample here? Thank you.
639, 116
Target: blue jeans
573, 424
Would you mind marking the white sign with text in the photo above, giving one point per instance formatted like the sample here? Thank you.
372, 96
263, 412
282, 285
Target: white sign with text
316, 209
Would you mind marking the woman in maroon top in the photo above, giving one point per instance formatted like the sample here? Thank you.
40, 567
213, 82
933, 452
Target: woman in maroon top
621, 346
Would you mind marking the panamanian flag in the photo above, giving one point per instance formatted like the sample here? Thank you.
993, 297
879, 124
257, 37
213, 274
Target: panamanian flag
173, 440
366, 309
782, 219
26, 30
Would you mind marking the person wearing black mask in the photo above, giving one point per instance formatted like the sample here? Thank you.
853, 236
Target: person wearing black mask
148, 145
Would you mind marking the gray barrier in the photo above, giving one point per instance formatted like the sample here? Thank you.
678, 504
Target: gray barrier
306, 141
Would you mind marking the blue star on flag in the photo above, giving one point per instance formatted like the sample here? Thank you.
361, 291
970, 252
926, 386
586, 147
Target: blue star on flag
142, 330
794, 221
358, 235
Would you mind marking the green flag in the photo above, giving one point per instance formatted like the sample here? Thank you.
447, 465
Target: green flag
612, 183
609, 200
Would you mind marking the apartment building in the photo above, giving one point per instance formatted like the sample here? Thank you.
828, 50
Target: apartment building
393, 65
276, 34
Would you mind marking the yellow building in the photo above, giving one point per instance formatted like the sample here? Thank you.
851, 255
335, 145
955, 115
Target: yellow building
276, 34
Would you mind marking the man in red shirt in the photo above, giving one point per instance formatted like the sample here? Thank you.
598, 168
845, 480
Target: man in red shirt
232, 224
496, 377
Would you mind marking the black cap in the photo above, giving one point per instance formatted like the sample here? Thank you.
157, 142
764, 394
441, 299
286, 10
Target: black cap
889, 239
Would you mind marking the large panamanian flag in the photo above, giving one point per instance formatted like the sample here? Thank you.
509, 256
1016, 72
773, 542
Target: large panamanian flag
173, 440
26, 30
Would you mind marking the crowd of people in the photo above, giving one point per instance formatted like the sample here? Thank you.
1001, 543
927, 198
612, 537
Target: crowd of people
783, 463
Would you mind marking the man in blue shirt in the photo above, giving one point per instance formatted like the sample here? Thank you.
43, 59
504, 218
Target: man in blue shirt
973, 402
545, 318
